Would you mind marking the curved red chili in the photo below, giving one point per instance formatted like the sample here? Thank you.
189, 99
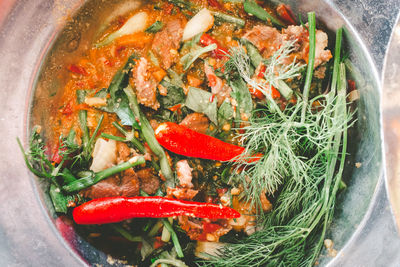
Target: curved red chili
219, 52
117, 209
186, 142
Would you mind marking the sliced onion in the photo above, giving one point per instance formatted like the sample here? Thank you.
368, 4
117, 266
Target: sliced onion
201, 22
137, 23
104, 154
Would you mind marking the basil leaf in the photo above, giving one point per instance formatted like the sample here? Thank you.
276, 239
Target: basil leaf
198, 100
155, 27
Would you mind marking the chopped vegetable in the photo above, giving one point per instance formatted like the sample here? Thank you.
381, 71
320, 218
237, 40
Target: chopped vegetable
116, 209
94, 178
201, 22
133, 25
219, 52
155, 27
191, 57
148, 135
202, 101
251, 7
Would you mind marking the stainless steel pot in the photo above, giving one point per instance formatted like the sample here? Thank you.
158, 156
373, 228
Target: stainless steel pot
363, 229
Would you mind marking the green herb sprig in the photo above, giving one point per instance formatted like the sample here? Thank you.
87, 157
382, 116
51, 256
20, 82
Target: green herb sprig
304, 156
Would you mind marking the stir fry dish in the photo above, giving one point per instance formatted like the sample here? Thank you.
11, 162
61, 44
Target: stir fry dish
198, 132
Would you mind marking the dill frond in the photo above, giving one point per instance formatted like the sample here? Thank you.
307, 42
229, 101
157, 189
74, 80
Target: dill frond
304, 150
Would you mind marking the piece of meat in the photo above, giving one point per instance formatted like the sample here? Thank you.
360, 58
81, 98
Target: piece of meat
123, 152
127, 186
145, 84
106, 188
301, 46
266, 39
196, 121
181, 193
218, 86
184, 173
149, 182
322, 55
203, 229
166, 42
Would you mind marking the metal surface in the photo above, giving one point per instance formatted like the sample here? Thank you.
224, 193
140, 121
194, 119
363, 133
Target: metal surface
391, 121
28, 233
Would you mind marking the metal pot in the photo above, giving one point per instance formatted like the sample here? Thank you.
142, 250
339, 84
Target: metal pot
363, 230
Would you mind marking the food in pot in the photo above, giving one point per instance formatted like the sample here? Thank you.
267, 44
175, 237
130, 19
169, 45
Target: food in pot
209, 132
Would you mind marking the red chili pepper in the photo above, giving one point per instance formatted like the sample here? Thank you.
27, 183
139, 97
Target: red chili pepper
184, 141
286, 14
175, 108
352, 85
256, 93
77, 69
210, 227
117, 209
214, 3
219, 52
67, 110
260, 74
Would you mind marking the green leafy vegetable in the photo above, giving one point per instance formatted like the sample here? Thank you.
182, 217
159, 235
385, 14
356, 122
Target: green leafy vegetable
174, 96
118, 103
148, 134
223, 17
155, 27
251, 7
199, 100
225, 112
240, 92
191, 57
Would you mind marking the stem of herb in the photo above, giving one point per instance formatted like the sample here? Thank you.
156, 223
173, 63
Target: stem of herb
310, 66
98, 176
251, 7
174, 238
113, 137
148, 134
126, 234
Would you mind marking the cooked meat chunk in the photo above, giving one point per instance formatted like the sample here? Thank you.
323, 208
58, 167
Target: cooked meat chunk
166, 42
123, 152
197, 122
300, 34
203, 230
266, 39
145, 84
127, 186
181, 193
184, 173
149, 182
218, 86
322, 55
